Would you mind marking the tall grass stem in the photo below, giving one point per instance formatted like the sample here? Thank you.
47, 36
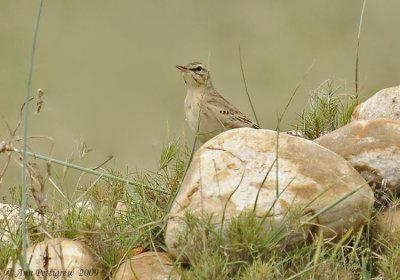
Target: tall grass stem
245, 87
86, 170
25, 138
358, 47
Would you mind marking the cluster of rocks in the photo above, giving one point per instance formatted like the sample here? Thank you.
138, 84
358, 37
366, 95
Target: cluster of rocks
330, 182
63, 258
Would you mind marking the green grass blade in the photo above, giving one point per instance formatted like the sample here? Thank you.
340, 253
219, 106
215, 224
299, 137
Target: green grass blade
246, 89
25, 138
358, 47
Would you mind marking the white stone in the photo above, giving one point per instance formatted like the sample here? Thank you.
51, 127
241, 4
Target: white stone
148, 265
372, 147
58, 258
383, 104
10, 220
234, 164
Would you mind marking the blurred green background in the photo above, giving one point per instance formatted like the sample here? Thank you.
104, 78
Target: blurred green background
108, 67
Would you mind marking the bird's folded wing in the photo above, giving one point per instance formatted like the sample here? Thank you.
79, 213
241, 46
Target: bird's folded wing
228, 115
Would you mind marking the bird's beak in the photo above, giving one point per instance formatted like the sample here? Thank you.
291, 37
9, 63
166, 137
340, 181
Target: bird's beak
182, 68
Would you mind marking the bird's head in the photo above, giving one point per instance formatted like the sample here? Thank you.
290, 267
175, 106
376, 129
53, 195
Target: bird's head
195, 74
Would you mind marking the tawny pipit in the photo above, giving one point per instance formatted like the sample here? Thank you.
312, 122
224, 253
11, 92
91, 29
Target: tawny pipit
207, 112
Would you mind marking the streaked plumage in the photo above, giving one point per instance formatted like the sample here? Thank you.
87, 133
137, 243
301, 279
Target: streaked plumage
217, 114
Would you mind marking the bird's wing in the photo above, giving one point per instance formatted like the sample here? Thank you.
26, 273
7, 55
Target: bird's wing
228, 114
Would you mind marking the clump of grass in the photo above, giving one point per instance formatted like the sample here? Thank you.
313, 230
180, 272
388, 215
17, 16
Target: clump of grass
111, 235
248, 248
327, 110
259, 270
386, 246
213, 254
388, 261
6, 252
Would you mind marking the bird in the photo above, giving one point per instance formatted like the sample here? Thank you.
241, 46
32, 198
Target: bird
207, 112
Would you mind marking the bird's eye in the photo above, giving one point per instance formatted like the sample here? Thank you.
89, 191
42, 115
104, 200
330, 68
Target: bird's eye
198, 68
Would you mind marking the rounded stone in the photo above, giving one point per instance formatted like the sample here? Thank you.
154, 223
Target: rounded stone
148, 265
372, 147
232, 171
58, 258
383, 104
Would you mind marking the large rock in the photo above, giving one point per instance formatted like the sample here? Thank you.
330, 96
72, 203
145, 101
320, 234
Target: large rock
149, 265
58, 258
372, 147
383, 104
227, 173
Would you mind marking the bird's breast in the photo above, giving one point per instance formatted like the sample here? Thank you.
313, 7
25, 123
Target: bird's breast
192, 107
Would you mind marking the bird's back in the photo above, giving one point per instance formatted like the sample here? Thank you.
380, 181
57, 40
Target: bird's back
216, 114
